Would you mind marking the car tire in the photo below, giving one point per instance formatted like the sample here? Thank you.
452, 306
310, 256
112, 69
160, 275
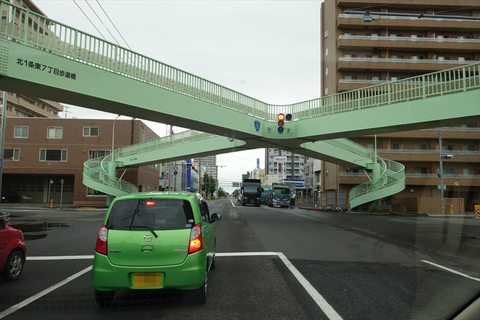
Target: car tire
13, 266
199, 296
104, 298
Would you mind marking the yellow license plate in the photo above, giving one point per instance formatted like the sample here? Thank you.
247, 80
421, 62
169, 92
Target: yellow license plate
147, 279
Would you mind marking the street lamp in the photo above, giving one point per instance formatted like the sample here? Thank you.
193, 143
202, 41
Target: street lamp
113, 138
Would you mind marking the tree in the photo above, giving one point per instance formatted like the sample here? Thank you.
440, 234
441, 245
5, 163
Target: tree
221, 193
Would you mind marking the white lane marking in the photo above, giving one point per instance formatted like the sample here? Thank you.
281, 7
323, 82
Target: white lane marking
25, 302
244, 254
451, 270
50, 258
317, 297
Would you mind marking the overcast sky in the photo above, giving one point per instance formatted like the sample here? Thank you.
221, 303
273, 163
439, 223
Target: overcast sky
268, 50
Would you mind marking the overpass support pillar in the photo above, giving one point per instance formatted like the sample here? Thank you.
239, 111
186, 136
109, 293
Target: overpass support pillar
375, 179
112, 177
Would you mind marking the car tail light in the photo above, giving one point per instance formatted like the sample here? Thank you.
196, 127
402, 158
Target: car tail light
101, 246
196, 243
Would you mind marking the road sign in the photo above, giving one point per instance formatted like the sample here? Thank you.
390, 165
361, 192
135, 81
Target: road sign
165, 176
280, 159
175, 172
175, 168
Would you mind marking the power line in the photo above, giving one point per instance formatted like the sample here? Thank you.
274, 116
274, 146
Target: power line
89, 19
102, 22
114, 25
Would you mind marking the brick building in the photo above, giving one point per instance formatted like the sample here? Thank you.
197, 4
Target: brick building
39, 151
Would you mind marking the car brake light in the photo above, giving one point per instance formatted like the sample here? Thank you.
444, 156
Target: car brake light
101, 246
196, 243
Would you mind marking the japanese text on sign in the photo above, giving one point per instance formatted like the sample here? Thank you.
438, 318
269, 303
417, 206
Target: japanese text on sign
45, 68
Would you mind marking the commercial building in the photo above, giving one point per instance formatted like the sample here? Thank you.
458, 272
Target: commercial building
44, 157
367, 42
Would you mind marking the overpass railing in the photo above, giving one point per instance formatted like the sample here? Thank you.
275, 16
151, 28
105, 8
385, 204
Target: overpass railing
34, 30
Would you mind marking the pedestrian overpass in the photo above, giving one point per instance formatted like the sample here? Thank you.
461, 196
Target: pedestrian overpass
50, 60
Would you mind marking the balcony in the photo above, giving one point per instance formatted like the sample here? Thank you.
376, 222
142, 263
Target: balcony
401, 65
354, 21
419, 179
457, 45
422, 4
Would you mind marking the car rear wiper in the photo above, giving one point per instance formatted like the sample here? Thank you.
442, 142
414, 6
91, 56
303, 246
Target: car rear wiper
146, 227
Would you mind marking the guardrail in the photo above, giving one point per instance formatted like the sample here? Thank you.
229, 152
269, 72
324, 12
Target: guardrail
37, 31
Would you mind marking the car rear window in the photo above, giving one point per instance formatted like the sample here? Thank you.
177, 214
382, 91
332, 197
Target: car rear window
157, 214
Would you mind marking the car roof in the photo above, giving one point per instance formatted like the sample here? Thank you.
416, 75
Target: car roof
160, 195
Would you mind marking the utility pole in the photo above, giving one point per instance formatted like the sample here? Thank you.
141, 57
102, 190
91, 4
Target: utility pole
441, 172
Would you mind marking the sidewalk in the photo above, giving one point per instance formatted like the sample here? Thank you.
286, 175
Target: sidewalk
44, 206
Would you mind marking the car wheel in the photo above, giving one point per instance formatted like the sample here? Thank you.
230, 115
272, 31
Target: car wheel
104, 298
13, 266
200, 295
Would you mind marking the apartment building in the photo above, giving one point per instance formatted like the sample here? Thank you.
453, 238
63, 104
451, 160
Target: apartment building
19, 105
292, 170
367, 42
44, 157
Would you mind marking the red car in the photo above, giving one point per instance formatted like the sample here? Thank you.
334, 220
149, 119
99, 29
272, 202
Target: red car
13, 251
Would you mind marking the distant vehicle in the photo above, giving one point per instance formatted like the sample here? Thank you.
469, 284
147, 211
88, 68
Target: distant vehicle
265, 194
13, 251
10, 197
252, 192
155, 240
279, 196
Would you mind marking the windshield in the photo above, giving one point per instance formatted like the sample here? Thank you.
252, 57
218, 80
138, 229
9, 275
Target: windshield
157, 214
251, 189
281, 191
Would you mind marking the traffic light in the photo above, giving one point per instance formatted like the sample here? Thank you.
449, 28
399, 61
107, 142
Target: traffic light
281, 121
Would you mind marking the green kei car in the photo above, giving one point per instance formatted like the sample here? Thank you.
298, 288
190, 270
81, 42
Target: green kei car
155, 240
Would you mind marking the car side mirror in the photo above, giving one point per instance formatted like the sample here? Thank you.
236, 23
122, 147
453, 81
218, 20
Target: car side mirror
215, 217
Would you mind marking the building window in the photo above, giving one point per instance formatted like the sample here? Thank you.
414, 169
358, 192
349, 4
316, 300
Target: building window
469, 147
53, 155
11, 154
421, 170
90, 131
326, 52
325, 33
468, 171
326, 71
443, 58
92, 154
326, 91
448, 170
417, 57
20, 132
351, 77
54, 132
351, 55
372, 56
396, 56
398, 146
420, 146
372, 78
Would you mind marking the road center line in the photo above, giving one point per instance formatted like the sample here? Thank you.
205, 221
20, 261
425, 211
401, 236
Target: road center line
25, 302
451, 270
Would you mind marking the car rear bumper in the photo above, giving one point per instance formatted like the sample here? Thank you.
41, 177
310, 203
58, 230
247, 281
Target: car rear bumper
188, 275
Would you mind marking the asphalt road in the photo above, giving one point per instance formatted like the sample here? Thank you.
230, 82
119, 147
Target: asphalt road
272, 263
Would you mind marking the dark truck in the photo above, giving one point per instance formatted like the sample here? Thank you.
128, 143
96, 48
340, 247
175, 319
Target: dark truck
252, 192
279, 196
